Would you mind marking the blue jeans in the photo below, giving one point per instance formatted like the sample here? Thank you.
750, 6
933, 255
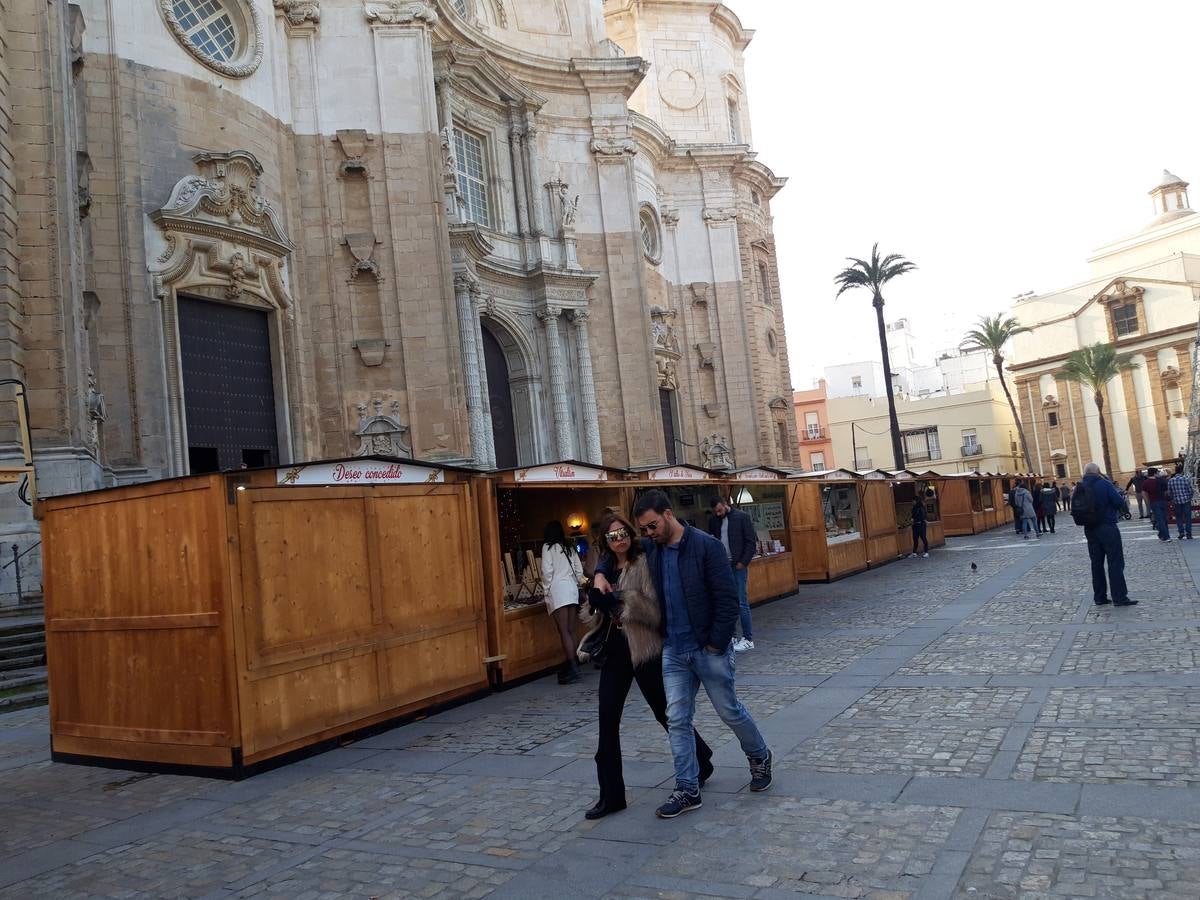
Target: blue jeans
741, 577
1183, 518
1104, 543
1027, 524
1158, 509
683, 673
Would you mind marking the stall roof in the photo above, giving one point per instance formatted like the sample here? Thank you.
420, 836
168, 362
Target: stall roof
831, 475
566, 471
876, 474
903, 474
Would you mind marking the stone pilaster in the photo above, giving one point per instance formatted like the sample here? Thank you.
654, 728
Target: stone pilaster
533, 169
463, 285
563, 439
587, 387
478, 303
520, 182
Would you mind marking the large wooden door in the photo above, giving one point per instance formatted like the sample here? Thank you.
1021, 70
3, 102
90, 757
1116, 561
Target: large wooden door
228, 386
504, 422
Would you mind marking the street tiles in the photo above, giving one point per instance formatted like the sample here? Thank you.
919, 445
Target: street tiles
940, 730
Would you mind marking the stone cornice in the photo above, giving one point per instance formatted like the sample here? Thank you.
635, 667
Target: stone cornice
1132, 344
400, 12
621, 75
473, 68
299, 12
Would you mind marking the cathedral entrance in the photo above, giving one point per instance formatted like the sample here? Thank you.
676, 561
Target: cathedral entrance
228, 386
504, 429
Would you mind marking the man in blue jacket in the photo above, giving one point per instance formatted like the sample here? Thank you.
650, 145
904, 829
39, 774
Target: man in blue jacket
695, 589
1095, 504
734, 529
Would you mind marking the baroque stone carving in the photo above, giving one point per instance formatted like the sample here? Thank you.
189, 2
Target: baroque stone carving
362, 248
401, 12
699, 291
297, 12
716, 453
1049, 401
719, 214
570, 208
371, 350
666, 373
608, 143
249, 62
707, 351
83, 183
379, 434
669, 216
353, 142
96, 410
662, 334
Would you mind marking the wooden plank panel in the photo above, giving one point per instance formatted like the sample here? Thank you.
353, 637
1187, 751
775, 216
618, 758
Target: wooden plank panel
878, 508
810, 555
531, 642
846, 558
771, 576
421, 670
882, 549
144, 751
133, 623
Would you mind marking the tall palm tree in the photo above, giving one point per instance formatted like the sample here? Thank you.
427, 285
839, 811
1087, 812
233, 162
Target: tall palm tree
1094, 367
873, 275
991, 333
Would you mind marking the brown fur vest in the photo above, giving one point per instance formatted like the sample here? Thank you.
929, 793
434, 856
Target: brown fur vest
641, 616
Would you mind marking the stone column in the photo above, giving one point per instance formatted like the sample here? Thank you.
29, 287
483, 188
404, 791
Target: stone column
587, 387
533, 170
463, 285
485, 397
564, 444
520, 182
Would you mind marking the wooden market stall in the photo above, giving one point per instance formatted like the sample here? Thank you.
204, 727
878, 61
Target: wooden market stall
514, 507
962, 503
908, 486
825, 521
222, 620
762, 492
879, 517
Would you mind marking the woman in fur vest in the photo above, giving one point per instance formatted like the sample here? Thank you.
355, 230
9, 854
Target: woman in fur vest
634, 652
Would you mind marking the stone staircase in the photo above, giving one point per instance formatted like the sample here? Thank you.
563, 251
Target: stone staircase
22, 657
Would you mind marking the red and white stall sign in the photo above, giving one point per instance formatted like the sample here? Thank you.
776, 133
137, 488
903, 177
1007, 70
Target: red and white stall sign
369, 471
679, 473
560, 472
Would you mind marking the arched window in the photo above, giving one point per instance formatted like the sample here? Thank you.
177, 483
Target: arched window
470, 165
764, 282
225, 35
651, 236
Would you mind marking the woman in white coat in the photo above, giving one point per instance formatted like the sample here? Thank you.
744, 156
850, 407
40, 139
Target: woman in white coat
562, 573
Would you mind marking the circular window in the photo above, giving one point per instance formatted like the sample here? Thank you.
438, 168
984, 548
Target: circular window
225, 35
771, 344
651, 238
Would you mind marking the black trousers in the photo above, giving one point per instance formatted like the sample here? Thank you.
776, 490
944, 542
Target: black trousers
616, 677
918, 530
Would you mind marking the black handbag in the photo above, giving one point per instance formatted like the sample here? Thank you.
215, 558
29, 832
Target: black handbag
594, 646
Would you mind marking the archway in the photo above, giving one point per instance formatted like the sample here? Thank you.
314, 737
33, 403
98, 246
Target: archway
504, 426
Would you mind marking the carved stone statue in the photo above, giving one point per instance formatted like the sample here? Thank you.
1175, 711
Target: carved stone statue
570, 210
716, 452
381, 435
96, 409
666, 374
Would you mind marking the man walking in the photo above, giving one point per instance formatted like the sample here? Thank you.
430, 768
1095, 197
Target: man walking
1065, 497
1155, 488
1136, 483
1180, 489
735, 531
699, 601
920, 524
1048, 498
1026, 511
1095, 504
1016, 506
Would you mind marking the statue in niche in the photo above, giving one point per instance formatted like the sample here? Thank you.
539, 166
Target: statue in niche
716, 452
666, 374
96, 410
381, 435
570, 210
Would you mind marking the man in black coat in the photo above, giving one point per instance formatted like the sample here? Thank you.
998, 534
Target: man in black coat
735, 531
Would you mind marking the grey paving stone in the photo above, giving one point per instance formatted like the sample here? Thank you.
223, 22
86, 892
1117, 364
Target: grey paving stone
982, 793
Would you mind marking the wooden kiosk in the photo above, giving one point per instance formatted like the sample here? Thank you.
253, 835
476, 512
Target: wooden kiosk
963, 503
879, 517
514, 506
221, 620
825, 520
762, 492
907, 486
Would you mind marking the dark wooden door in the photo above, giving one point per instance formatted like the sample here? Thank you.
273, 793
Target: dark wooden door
228, 386
668, 422
504, 426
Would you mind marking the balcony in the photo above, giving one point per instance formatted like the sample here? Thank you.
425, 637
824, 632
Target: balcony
812, 433
913, 456
972, 449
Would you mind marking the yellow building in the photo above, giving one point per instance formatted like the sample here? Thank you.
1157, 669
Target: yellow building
956, 433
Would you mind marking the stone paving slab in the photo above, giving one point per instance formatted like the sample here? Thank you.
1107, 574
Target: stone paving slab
939, 731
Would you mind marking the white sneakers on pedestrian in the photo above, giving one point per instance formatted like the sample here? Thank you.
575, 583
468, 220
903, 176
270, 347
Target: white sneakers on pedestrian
741, 645
924, 556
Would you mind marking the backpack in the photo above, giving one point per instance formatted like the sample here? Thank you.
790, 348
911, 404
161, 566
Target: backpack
1084, 508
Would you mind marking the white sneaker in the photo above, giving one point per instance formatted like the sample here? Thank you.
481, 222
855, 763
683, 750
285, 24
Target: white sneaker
912, 556
745, 645
924, 556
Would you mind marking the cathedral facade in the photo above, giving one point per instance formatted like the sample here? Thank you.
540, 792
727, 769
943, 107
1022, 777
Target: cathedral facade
489, 232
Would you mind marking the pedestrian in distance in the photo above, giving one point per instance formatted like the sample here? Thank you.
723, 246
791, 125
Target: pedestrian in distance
1065, 497
920, 525
562, 573
632, 652
698, 598
1181, 491
1095, 504
1026, 511
1155, 488
1136, 483
1016, 507
734, 529
1048, 499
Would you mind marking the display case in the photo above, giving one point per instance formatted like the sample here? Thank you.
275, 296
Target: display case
825, 520
220, 621
514, 507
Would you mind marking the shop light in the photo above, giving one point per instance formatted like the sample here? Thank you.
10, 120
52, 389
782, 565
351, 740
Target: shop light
744, 497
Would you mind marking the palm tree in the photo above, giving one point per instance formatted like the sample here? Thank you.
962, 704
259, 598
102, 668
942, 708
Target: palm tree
1094, 367
874, 275
991, 333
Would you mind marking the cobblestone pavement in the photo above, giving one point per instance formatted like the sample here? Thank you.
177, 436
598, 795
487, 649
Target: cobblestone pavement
939, 731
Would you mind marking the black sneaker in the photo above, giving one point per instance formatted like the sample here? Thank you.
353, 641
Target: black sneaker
760, 773
1104, 602
678, 803
1125, 603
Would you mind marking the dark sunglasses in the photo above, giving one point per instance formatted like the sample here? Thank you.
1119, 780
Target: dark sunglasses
619, 535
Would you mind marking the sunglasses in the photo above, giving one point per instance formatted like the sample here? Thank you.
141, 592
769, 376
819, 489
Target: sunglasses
619, 535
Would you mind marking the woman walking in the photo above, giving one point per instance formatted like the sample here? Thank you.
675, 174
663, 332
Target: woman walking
920, 522
633, 653
562, 573
1026, 511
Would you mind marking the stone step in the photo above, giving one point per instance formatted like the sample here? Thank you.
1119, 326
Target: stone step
10, 681
16, 651
33, 610
17, 663
23, 635
35, 696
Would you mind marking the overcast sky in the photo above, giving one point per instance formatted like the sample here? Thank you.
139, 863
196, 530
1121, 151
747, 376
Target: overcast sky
993, 144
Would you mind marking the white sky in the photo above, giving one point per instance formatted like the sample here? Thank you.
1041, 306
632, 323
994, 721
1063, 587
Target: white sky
995, 145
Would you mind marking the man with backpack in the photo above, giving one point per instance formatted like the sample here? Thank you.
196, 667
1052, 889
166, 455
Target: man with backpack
1155, 489
1095, 504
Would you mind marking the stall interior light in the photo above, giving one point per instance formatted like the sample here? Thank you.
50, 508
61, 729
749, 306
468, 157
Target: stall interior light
744, 497
575, 522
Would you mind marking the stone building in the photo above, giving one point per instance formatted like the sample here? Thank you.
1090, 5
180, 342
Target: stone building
1142, 296
495, 232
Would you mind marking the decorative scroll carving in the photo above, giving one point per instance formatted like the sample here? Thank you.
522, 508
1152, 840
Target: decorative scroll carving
707, 351
353, 142
401, 12
379, 434
662, 333
362, 248
297, 12
719, 214
1049, 402
669, 216
699, 291
716, 453
231, 69
608, 143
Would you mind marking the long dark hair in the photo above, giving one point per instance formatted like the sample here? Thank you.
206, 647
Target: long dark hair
611, 521
553, 534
